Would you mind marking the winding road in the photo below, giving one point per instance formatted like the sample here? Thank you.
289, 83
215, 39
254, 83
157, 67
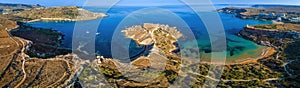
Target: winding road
285, 67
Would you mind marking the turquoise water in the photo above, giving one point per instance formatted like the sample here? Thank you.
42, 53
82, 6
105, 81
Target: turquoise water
237, 47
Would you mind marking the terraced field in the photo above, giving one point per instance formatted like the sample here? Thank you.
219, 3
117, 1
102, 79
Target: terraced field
19, 70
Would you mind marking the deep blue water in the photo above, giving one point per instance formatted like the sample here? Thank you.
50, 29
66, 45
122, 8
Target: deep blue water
109, 27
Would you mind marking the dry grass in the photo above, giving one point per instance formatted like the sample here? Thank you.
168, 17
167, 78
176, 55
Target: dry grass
287, 26
7, 46
6, 24
52, 71
33, 67
142, 62
7, 61
39, 72
3, 34
44, 73
13, 74
58, 12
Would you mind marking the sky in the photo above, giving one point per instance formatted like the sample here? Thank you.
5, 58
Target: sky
147, 2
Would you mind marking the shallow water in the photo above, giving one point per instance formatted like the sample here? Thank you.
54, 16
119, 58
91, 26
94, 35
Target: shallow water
237, 47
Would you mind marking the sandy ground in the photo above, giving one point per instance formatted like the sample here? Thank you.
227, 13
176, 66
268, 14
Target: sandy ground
266, 53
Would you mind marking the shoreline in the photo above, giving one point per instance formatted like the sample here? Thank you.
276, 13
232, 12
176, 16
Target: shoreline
64, 19
266, 53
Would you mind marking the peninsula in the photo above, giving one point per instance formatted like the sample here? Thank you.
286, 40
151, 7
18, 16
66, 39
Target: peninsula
161, 57
32, 57
68, 13
276, 13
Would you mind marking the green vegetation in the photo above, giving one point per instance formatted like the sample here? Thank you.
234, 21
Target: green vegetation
171, 75
284, 27
57, 12
266, 26
249, 72
292, 82
295, 22
109, 72
292, 50
49, 32
247, 84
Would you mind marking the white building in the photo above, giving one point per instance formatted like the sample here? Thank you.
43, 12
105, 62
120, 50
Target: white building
295, 19
281, 15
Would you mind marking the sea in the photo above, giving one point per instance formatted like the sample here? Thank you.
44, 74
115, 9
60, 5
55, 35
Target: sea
111, 42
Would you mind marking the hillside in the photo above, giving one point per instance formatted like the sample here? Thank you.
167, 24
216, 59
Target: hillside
282, 27
6, 23
286, 14
19, 70
275, 6
69, 13
7, 8
18, 6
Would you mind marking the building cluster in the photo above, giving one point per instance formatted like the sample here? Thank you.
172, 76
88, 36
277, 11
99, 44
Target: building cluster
279, 17
8, 11
295, 19
273, 16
